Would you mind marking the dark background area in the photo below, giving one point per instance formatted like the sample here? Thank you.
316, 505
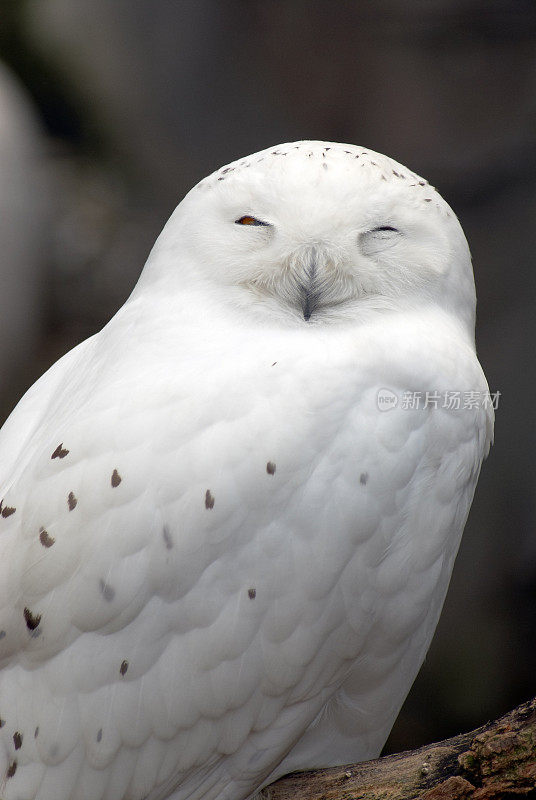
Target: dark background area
110, 110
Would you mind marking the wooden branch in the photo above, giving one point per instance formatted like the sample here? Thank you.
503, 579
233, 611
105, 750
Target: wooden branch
495, 761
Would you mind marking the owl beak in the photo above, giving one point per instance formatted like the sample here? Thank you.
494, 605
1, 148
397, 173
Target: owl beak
309, 293
307, 302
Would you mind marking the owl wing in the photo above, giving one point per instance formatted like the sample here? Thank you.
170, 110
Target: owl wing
18, 431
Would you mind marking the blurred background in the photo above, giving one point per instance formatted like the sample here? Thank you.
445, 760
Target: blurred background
110, 110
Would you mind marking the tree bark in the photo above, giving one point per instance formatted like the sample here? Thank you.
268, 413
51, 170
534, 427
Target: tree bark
495, 761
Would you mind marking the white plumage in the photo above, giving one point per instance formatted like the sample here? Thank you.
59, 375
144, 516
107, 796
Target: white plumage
219, 560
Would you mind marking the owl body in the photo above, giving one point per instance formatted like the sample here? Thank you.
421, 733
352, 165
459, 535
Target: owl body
221, 560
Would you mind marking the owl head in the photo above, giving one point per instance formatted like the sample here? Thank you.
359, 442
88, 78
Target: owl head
315, 233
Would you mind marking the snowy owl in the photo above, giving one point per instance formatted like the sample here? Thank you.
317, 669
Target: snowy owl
229, 519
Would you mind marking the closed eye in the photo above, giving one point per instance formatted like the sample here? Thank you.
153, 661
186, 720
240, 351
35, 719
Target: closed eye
376, 240
385, 228
247, 220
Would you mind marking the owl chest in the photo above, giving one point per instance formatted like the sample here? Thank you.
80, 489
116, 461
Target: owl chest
297, 493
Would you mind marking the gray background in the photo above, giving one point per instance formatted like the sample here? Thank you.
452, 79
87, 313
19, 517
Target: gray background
110, 110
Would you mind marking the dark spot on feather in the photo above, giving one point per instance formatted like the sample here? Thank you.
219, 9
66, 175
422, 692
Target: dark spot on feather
325, 166
17, 740
71, 501
270, 468
116, 478
99, 734
36, 732
252, 594
422, 183
6, 511
363, 478
427, 199
60, 452
209, 499
32, 620
107, 591
45, 539
221, 179
167, 537
275, 362
11, 770
123, 668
